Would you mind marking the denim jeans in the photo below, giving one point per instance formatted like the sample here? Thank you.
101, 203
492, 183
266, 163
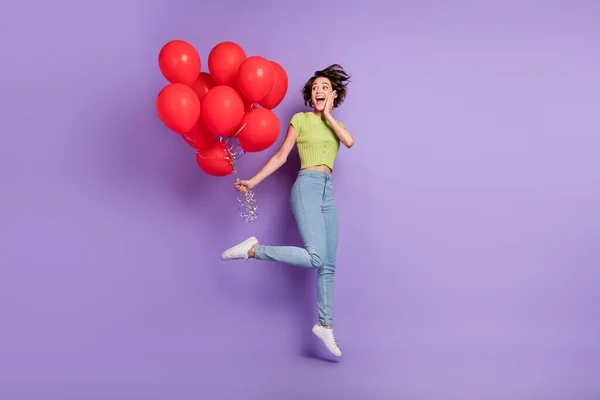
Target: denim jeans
313, 205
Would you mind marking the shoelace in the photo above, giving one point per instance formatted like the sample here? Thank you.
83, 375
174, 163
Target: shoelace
335, 345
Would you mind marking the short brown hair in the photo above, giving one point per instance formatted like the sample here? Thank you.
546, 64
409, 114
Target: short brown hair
339, 82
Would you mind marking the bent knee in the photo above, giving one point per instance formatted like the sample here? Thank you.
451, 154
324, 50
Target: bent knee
317, 260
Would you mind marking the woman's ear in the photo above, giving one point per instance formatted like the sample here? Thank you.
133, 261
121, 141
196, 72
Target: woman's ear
335, 94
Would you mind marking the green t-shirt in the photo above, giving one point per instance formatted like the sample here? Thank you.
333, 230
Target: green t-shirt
317, 143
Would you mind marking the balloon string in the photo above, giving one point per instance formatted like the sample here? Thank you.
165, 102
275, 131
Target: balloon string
248, 202
229, 155
239, 130
233, 152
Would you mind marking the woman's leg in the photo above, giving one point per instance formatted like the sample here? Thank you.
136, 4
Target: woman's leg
306, 200
325, 278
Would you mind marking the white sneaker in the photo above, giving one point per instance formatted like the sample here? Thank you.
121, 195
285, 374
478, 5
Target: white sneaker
239, 251
328, 338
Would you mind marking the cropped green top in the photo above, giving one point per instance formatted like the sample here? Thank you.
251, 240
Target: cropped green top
317, 143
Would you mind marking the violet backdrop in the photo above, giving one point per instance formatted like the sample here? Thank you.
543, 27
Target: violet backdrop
468, 258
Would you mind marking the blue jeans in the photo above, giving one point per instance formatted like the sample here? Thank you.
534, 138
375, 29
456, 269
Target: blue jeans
313, 205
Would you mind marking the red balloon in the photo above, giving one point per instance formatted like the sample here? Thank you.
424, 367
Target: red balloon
222, 110
248, 105
215, 159
179, 62
224, 61
279, 90
178, 107
200, 136
255, 78
203, 84
261, 130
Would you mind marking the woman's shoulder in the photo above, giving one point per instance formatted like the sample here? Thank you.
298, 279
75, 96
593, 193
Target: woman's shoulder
299, 116
298, 120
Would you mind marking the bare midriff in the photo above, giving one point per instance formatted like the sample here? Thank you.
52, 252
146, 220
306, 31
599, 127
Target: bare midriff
320, 168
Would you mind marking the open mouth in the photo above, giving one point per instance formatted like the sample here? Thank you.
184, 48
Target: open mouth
320, 99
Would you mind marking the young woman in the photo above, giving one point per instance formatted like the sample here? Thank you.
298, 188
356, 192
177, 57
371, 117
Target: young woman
317, 136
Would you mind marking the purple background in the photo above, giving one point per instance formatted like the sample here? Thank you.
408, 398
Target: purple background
468, 259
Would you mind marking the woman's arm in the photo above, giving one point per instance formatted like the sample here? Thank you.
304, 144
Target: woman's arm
274, 162
342, 133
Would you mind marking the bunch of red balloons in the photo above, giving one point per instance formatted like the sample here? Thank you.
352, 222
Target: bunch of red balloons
234, 99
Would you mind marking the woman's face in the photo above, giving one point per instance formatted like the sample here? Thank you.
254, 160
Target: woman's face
321, 89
